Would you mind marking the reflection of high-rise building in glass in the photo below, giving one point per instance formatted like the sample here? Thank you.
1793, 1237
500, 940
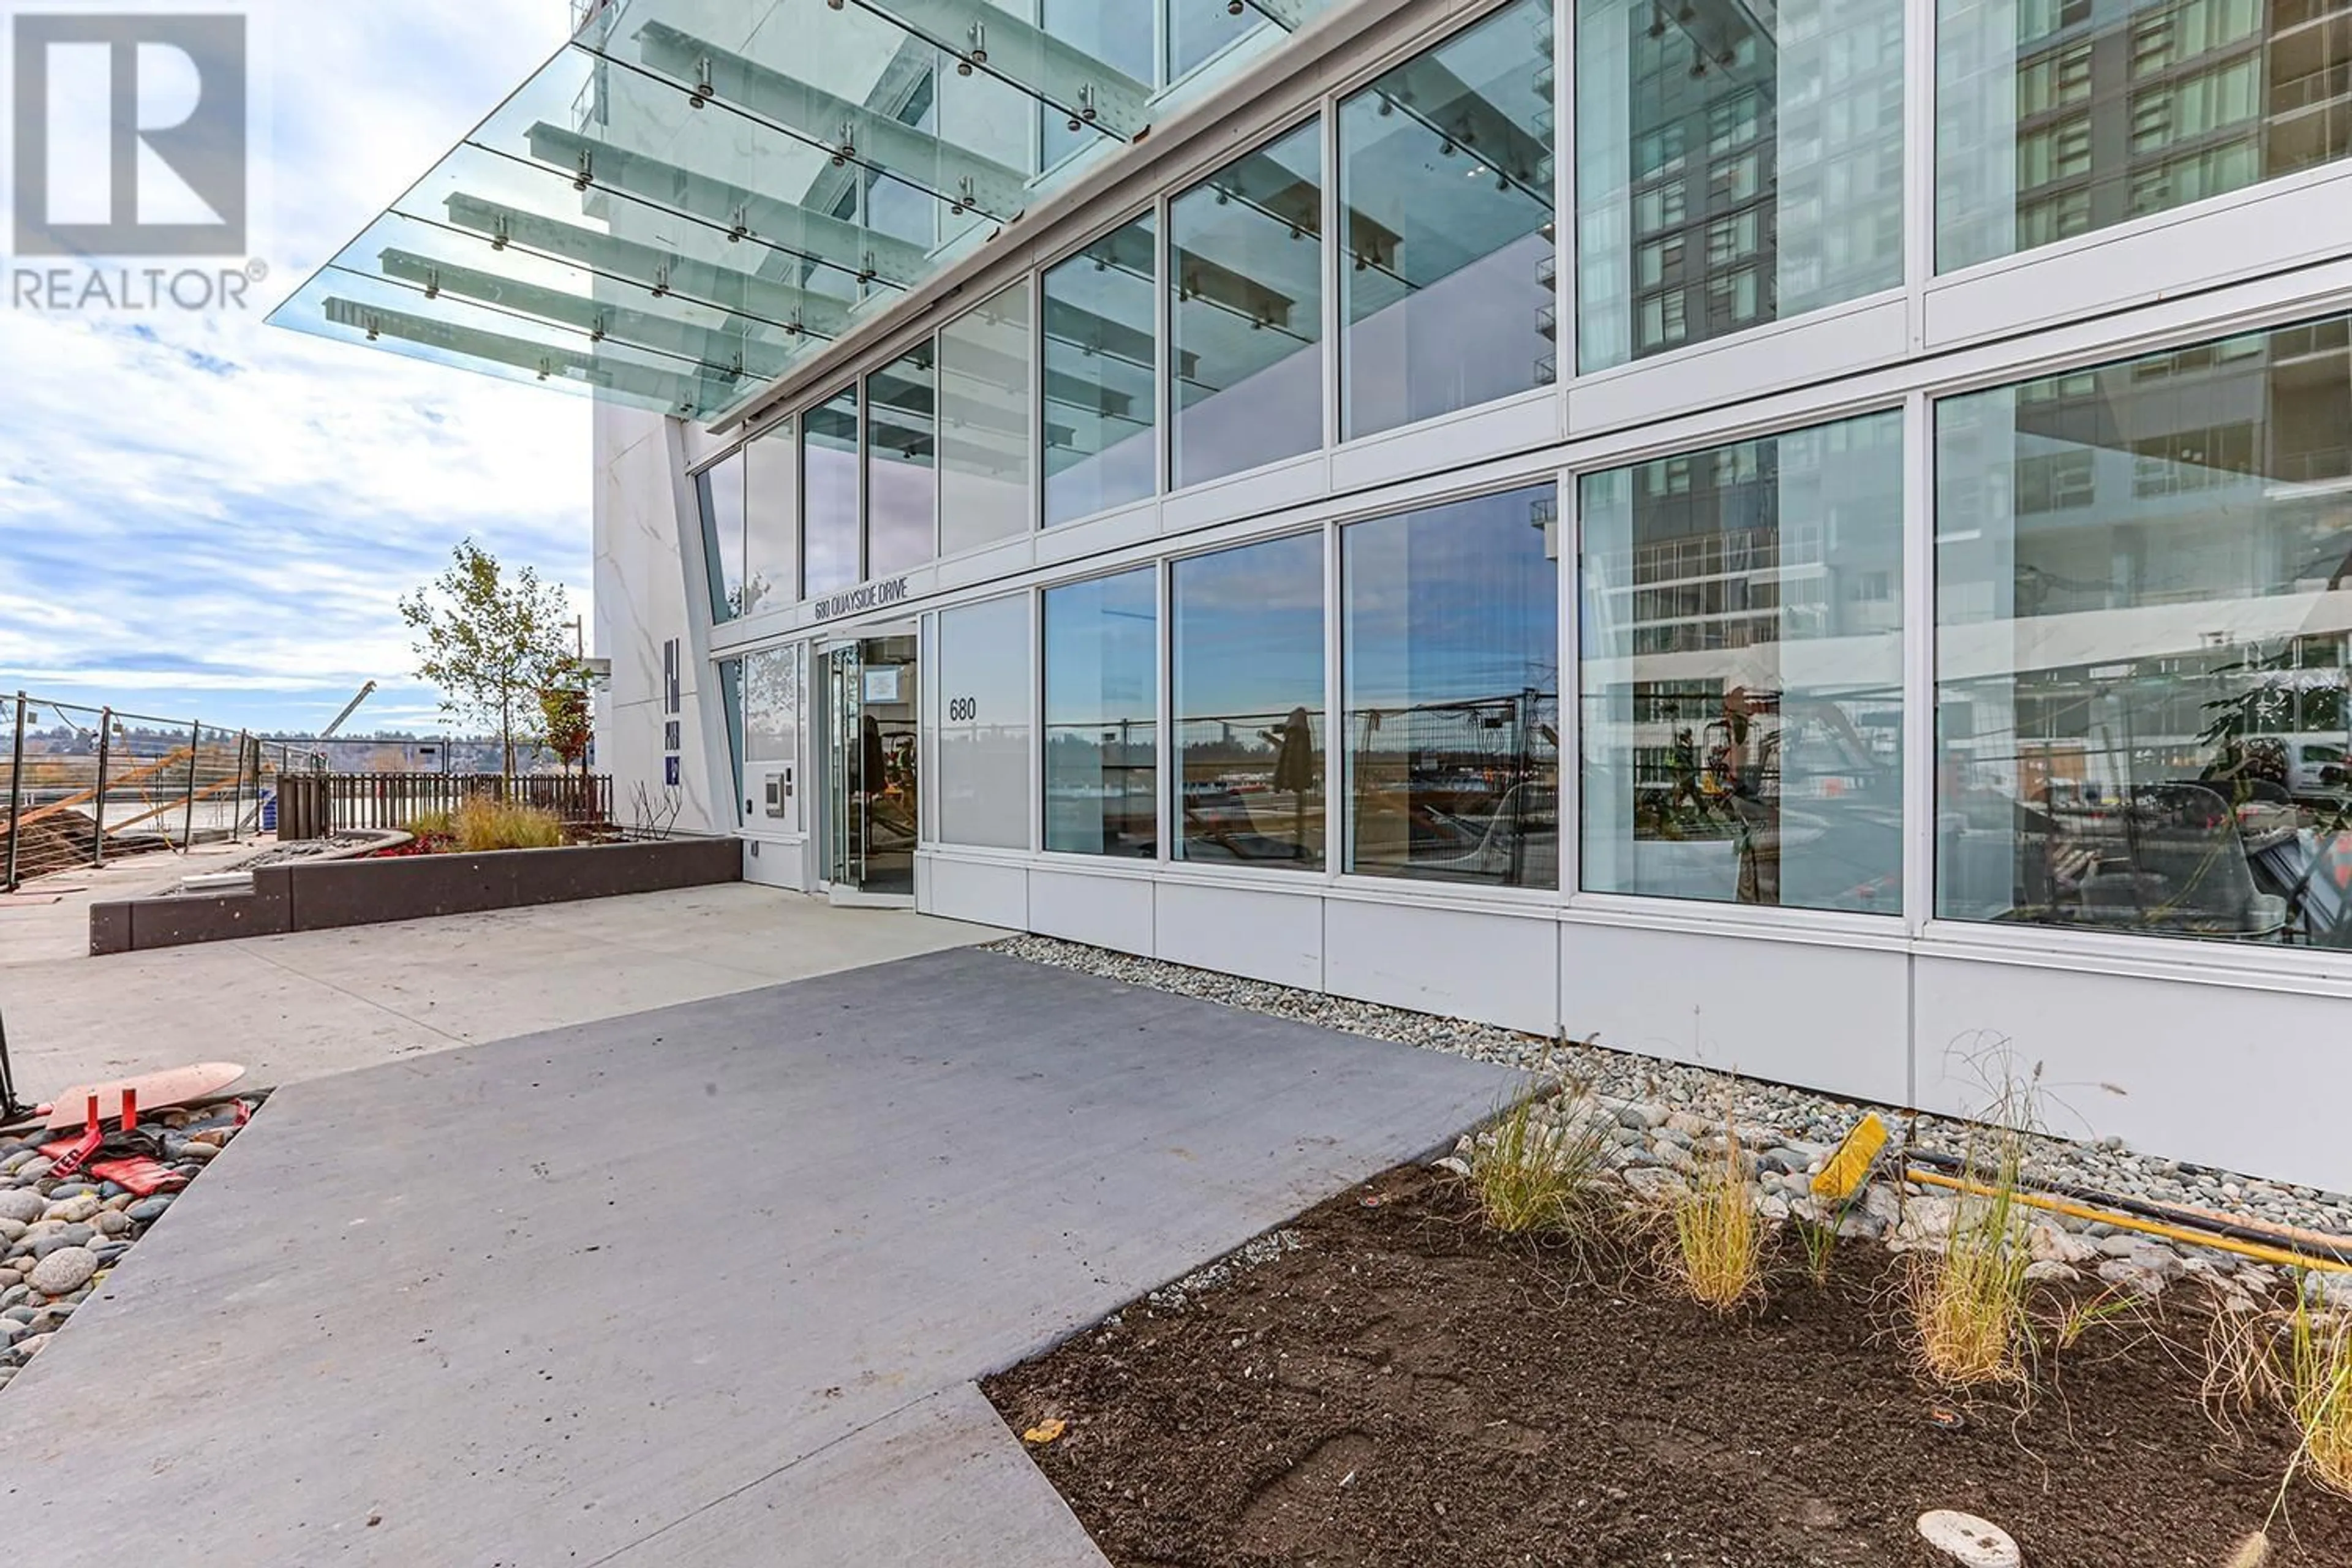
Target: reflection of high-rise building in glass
2060, 118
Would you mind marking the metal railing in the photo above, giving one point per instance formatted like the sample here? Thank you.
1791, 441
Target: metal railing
82, 783
313, 805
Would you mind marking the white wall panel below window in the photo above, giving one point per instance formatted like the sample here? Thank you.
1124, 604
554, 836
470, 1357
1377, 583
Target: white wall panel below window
1105, 911
2243, 1078
1461, 964
1808, 348
1828, 1017
1274, 936
2257, 231
969, 891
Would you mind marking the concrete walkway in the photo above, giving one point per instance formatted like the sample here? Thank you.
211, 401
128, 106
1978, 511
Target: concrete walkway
293, 1008
706, 1286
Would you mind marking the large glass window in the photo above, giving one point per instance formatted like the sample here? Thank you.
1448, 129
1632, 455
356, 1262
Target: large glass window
1445, 188
1736, 165
1248, 669
829, 494
902, 442
771, 519
2054, 119
2144, 599
984, 453
1102, 694
1742, 627
773, 702
1246, 248
987, 699
718, 490
1102, 376
1451, 671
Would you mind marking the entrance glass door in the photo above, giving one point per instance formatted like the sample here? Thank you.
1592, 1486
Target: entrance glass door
872, 796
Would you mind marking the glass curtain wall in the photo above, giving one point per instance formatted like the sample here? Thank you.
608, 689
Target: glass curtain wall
985, 462
830, 543
1102, 375
986, 712
2056, 118
2144, 577
1102, 706
902, 487
1742, 671
1247, 248
1450, 632
1736, 165
718, 490
1247, 666
771, 519
1445, 191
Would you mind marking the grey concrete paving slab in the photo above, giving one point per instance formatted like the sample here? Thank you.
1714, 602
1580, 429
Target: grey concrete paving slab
941, 1483
547, 1301
321, 1002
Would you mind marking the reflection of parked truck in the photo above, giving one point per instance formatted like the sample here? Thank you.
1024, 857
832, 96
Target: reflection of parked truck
2317, 764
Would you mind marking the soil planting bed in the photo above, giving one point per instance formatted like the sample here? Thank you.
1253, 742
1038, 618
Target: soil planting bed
1403, 1388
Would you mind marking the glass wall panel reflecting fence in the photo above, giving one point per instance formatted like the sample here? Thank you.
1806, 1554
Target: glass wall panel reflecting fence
1248, 672
771, 519
1102, 707
1445, 190
774, 697
2144, 605
719, 491
902, 439
1102, 375
986, 706
985, 463
1742, 630
1450, 629
830, 543
2056, 117
1247, 248
1736, 165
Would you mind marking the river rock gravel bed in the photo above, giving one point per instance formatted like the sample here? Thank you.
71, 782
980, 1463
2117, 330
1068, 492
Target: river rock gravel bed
60, 1235
1659, 1114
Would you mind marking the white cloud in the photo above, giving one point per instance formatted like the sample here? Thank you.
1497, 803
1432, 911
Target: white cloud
205, 508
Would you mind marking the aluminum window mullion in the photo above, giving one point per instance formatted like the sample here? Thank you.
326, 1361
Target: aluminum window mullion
1334, 274
1920, 739
1338, 769
1570, 533
1918, 163
1164, 649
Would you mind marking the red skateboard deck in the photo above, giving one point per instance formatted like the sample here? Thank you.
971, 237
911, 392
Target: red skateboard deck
154, 1091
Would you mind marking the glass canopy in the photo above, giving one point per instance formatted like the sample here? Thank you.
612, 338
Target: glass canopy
692, 193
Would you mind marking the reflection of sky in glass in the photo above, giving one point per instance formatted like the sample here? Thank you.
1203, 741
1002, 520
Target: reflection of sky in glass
721, 492
1101, 665
1453, 603
1249, 629
829, 489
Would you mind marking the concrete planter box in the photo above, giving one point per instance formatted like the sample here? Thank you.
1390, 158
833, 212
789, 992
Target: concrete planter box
328, 894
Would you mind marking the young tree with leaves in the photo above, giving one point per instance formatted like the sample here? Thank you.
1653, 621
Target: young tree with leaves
489, 643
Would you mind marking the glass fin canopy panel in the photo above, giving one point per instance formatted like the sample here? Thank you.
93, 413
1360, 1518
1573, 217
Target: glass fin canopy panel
691, 196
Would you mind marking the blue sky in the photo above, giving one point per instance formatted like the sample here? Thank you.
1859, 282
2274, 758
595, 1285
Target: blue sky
205, 517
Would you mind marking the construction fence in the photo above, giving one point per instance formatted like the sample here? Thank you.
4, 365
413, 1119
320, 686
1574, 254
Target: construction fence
78, 783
